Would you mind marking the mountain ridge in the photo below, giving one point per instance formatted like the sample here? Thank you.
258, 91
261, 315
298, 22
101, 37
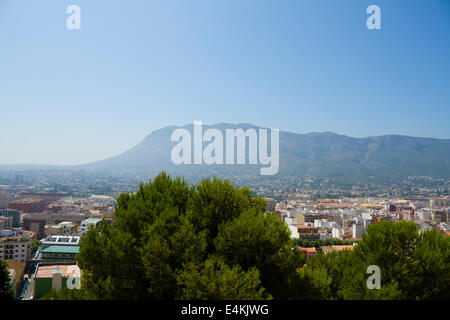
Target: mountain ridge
385, 158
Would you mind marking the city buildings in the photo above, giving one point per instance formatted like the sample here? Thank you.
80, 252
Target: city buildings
6, 223
15, 247
28, 205
348, 218
36, 222
65, 228
308, 232
5, 199
16, 216
342, 214
85, 224
100, 199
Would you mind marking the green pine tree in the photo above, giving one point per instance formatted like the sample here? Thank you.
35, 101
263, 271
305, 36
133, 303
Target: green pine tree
171, 240
6, 291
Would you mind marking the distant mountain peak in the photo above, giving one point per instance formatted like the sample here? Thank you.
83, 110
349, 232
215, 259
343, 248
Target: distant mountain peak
388, 158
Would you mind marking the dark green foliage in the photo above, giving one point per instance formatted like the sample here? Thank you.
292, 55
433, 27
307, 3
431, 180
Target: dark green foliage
214, 279
65, 294
417, 264
252, 240
412, 266
6, 292
172, 241
35, 244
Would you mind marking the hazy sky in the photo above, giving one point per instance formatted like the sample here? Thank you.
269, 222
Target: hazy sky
70, 97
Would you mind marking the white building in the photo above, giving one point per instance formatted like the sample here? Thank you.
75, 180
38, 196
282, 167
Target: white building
423, 215
322, 223
102, 199
357, 231
367, 216
65, 228
15, 248
85, 224
55, 240
294, 232
337, 232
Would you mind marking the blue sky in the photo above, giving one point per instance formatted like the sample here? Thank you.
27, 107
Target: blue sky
71, 97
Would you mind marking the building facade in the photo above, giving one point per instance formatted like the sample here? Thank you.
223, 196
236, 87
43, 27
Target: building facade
16, 215
15, 248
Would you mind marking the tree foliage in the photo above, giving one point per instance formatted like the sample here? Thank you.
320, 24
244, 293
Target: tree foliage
413, 266
214, 241
214, 279
35, 244
65, 294
171, 240
6, 291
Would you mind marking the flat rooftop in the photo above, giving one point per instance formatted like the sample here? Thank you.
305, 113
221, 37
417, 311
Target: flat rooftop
61, 249
61, 240
66, 270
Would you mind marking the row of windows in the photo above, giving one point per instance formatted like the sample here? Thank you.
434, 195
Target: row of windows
11, 256
59, 255
15, 246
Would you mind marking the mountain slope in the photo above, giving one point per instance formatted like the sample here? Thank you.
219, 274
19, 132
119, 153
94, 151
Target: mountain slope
385, 158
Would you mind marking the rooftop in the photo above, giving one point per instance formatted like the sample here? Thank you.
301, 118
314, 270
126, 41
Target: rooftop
61, 240
337, 248
66, 270
61, 249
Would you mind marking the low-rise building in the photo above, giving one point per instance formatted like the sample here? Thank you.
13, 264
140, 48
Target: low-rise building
85, 224
337, 248
15, 248
6, 223
357, 231
99, 199
55, 276
14, 214
59, 255
65, 228
29, 204
36, 222
308, 252
56, 240
308, 232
